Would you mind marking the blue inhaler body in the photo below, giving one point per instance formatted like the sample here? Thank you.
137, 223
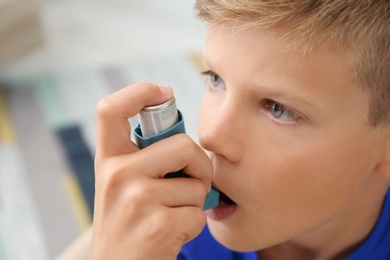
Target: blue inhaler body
162, 121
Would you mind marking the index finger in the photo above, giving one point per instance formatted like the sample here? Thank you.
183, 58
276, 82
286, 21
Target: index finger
113, 111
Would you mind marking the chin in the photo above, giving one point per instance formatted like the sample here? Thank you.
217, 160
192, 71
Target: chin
234, 238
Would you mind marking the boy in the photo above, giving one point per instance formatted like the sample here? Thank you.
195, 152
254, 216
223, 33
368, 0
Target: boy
296, 124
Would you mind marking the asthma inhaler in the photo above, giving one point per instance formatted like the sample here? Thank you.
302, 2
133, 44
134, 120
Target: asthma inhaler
162, 121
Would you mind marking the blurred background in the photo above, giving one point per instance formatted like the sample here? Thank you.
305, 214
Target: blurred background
58, 58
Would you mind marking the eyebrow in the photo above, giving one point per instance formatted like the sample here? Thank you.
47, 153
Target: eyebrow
204, 62
270, 91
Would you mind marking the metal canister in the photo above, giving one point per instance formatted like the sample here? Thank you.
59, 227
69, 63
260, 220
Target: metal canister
156, 119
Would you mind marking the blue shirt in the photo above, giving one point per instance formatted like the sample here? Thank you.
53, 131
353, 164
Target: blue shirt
376, 246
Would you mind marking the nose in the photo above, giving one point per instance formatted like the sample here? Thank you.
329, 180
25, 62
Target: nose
222, 129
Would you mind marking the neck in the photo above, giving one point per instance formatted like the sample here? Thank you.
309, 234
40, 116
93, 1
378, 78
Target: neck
338, 238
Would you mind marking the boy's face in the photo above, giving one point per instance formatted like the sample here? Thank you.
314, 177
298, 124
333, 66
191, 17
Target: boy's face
289, 139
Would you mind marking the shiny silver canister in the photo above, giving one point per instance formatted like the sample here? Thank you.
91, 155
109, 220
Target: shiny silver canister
156, 119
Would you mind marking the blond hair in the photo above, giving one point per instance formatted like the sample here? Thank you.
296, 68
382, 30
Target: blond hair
359, 27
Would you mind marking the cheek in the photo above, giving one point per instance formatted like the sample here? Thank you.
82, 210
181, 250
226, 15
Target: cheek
290, 188
307, 184
209, 108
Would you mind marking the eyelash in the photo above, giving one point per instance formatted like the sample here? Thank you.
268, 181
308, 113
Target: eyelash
267, 104
289, 116
207, 72
212, 75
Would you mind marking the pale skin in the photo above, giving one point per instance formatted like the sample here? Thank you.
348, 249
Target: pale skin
287, 139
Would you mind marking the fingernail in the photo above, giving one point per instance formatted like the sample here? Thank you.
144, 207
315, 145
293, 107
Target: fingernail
165, 89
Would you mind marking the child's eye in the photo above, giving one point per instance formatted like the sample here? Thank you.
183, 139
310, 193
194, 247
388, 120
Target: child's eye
281, 113
215, 80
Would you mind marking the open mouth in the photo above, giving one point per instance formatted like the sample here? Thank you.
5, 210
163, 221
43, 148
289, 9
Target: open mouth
225, 209
225, 200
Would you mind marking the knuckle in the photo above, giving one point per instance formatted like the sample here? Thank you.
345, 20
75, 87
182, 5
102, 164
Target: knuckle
199, 189
109, 177
139, 193
198, 221
146, 85
185, 143
105, 107
111, 174
200, 216
158, 228
136, 203
141, 83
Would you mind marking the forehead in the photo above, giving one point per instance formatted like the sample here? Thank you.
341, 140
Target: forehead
254, 53
246, 41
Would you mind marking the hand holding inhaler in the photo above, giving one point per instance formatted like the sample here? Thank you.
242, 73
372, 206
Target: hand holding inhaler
138, 213
162, 121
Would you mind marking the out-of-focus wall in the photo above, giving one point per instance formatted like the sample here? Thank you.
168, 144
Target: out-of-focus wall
48, 97
20, 28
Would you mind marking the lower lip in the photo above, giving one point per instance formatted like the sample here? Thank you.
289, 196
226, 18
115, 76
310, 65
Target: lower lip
221, 212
